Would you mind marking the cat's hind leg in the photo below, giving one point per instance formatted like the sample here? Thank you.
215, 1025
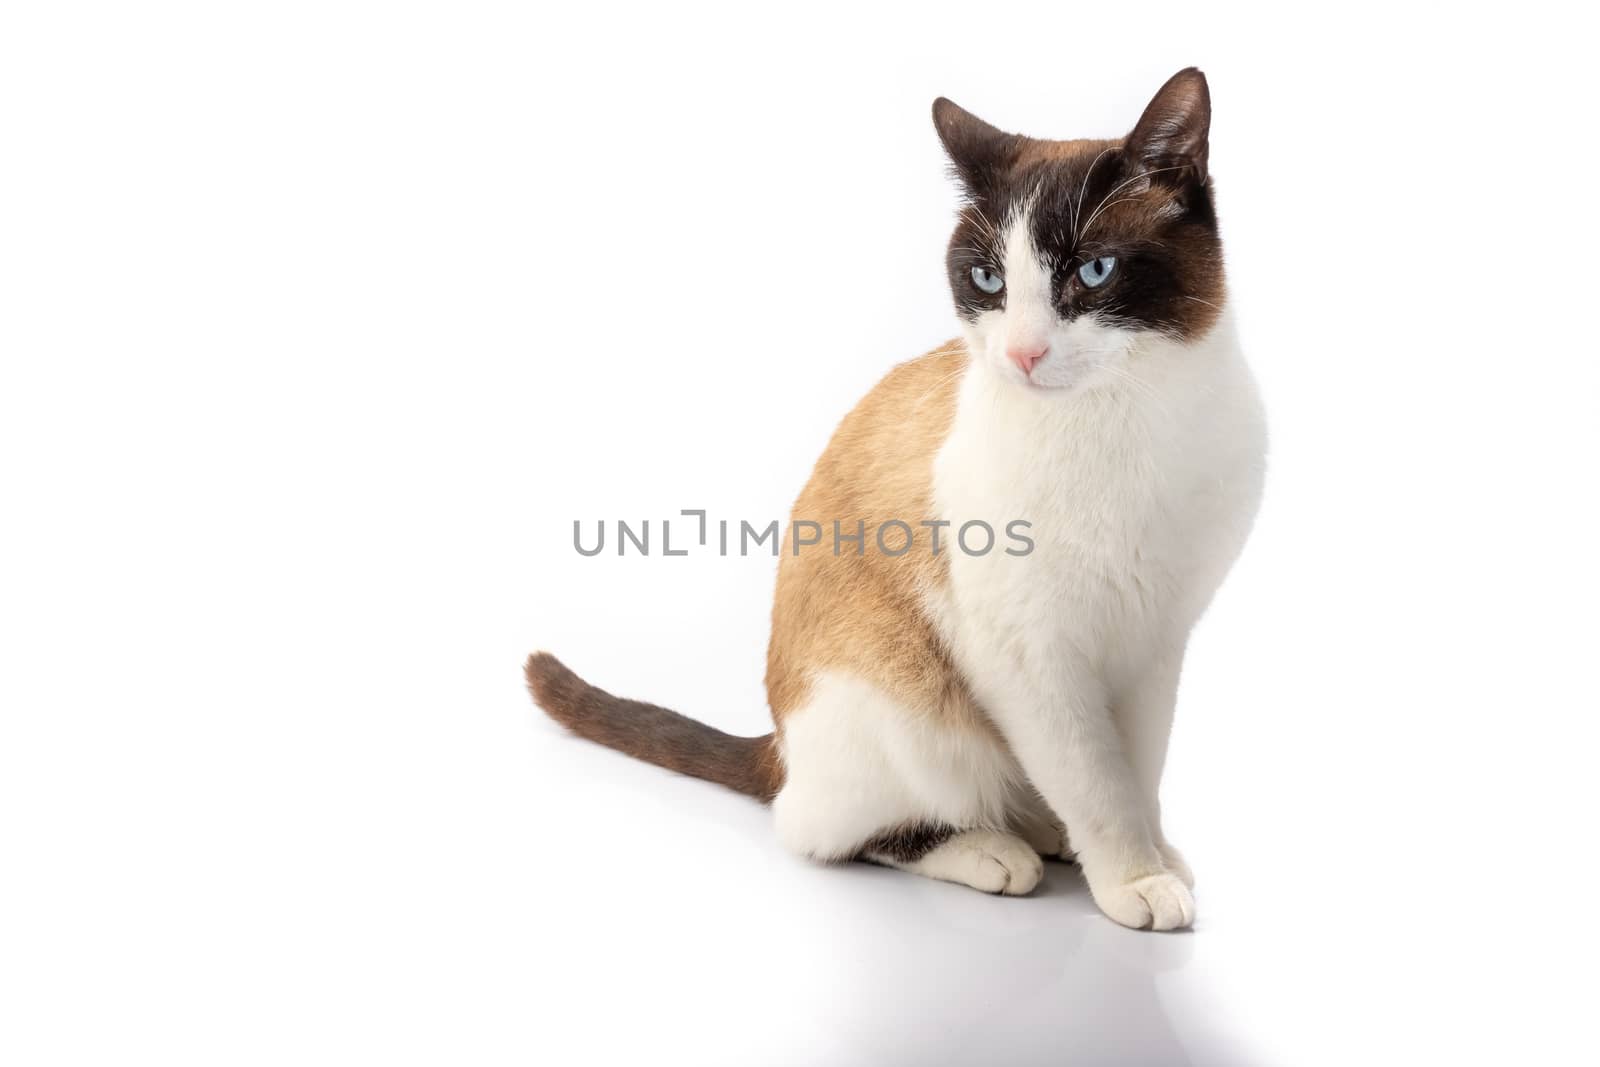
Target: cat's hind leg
989, 860
866, 777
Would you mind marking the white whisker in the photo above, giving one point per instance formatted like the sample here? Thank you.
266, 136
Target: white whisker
1124, 185
1077, 208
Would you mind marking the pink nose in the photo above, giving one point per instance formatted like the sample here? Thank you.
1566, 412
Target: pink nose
1025, 356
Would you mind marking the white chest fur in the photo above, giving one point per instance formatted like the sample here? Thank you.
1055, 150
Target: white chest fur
1139, 491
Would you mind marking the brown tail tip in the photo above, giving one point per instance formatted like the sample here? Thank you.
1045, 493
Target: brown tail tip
554, 687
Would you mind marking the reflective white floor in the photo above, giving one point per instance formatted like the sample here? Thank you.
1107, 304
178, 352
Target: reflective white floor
934, 975
717, 947
687, 935
421, 886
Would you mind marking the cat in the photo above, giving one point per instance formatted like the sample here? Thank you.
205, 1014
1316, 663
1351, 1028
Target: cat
959, 715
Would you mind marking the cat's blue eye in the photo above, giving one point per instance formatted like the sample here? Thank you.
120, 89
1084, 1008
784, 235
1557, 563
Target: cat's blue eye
1095, 272
987, 281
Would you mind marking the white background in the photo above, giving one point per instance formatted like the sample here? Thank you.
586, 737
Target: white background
321, 323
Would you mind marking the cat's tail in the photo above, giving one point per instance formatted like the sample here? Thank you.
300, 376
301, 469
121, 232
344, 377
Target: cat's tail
655, 735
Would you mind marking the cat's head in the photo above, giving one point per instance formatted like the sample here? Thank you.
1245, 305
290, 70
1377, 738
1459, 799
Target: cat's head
1069, 254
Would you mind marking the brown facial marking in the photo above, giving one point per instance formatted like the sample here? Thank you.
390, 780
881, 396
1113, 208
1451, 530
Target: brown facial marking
1145, 199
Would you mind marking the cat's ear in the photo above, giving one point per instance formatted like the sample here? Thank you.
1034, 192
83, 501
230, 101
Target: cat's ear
979, 152
1171, 137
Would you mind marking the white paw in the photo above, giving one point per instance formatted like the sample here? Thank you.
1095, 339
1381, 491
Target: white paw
1154, 902
990, 861
1176, 864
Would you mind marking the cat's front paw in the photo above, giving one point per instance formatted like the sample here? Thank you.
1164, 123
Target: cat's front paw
1155, 902
1176, 864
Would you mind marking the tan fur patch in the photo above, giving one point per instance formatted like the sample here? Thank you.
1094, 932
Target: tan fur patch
863, 613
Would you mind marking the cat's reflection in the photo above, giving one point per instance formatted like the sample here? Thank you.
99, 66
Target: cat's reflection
937, 975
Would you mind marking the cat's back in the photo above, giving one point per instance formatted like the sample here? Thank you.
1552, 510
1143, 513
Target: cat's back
880, 455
